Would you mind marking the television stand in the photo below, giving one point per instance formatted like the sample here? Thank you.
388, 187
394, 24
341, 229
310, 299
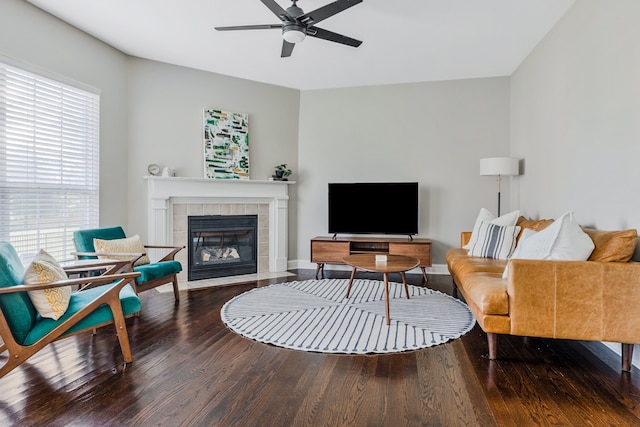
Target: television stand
331, 250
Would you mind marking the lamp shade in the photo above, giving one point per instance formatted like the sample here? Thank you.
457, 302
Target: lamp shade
499, 166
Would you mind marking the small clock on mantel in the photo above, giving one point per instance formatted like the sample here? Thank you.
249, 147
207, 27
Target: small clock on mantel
153, 169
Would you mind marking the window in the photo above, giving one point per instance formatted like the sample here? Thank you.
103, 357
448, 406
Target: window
49, 162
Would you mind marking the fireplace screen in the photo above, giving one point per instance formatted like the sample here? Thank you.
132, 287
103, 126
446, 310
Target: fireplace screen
222, 245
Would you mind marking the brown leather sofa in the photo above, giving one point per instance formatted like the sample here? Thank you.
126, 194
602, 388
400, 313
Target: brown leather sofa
593, 300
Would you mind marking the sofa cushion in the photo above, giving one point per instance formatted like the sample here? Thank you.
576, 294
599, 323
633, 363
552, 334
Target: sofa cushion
488, 291
479, 281
53, 302
612, 246
485, 216
157, 270
494, 241
530, 224
461, 264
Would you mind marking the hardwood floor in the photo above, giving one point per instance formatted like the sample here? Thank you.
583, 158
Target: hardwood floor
189, 369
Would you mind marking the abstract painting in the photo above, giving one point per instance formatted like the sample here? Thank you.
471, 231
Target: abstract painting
226, 145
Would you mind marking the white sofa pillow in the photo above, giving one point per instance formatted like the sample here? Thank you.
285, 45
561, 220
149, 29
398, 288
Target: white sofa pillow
562, 240
526, 233
510, 218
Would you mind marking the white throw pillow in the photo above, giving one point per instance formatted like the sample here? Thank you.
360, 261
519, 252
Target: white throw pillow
510, 218
131, 244
562, 240
526, 233
495, 241
50, 303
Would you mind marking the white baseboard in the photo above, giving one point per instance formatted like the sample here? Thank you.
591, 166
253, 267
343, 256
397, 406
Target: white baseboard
308, 265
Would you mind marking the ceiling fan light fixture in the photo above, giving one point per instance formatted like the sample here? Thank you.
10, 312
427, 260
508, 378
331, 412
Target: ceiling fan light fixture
294, 36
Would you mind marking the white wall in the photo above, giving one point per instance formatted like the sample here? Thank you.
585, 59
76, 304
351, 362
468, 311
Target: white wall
576, 118
34, 37
165, 111
434, 133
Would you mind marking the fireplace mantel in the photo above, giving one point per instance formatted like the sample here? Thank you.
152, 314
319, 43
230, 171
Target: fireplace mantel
163, 192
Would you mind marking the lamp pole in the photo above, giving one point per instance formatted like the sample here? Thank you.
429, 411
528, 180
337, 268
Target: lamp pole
499, 181
499, 166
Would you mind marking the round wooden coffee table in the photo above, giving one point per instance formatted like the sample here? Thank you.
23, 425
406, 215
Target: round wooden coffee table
393, 264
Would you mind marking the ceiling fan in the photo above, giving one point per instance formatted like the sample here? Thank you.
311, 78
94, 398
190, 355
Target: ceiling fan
296, 24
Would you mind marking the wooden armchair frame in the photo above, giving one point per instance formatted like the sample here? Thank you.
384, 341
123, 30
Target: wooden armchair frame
152, 275
150, 284
173, 250
18, 353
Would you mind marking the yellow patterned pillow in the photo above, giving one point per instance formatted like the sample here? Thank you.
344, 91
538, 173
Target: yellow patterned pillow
51, 303
128, 245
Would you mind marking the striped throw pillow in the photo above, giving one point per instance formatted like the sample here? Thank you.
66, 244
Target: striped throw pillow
495, 241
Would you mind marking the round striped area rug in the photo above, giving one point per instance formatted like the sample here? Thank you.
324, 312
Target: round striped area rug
315, 315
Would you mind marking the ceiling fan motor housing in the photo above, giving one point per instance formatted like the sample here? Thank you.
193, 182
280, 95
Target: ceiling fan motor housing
294, 11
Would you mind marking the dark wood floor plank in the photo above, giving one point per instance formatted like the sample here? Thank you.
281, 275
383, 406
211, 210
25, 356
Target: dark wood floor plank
447, 393
189, 369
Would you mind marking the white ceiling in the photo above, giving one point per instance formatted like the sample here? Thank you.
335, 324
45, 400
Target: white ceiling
403, 41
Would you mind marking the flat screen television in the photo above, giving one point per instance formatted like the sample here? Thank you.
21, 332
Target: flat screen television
373, 208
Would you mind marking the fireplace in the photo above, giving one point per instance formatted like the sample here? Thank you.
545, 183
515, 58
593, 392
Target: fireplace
222, 245
171, 200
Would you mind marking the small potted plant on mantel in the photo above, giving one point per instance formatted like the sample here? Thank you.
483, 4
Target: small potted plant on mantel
282, 172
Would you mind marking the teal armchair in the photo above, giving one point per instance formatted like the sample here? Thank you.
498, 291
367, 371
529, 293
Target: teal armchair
24, 331
151, 275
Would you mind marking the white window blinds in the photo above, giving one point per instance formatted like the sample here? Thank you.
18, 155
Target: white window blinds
49, 162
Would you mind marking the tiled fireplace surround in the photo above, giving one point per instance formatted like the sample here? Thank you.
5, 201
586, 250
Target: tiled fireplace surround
172, 200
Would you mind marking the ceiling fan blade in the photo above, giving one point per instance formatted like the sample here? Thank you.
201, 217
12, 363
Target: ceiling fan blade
327, 11
277, 10
249, 27
332, 37
287, 48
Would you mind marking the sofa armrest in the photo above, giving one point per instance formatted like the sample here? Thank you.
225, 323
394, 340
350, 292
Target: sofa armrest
465, 236
583, 300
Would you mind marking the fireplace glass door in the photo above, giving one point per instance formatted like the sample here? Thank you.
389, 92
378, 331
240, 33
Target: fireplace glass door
222, 245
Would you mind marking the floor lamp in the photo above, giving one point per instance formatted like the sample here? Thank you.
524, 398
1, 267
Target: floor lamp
499, 166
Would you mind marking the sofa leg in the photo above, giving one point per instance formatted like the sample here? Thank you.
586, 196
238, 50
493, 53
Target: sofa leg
492, 340
627, 356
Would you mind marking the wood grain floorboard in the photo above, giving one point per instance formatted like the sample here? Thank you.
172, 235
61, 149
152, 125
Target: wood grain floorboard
190, 370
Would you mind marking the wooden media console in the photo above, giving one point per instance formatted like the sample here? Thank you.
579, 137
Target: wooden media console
329, 250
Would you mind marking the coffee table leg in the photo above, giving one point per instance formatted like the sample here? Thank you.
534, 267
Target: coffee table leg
404, 281
353, 274
386, 296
